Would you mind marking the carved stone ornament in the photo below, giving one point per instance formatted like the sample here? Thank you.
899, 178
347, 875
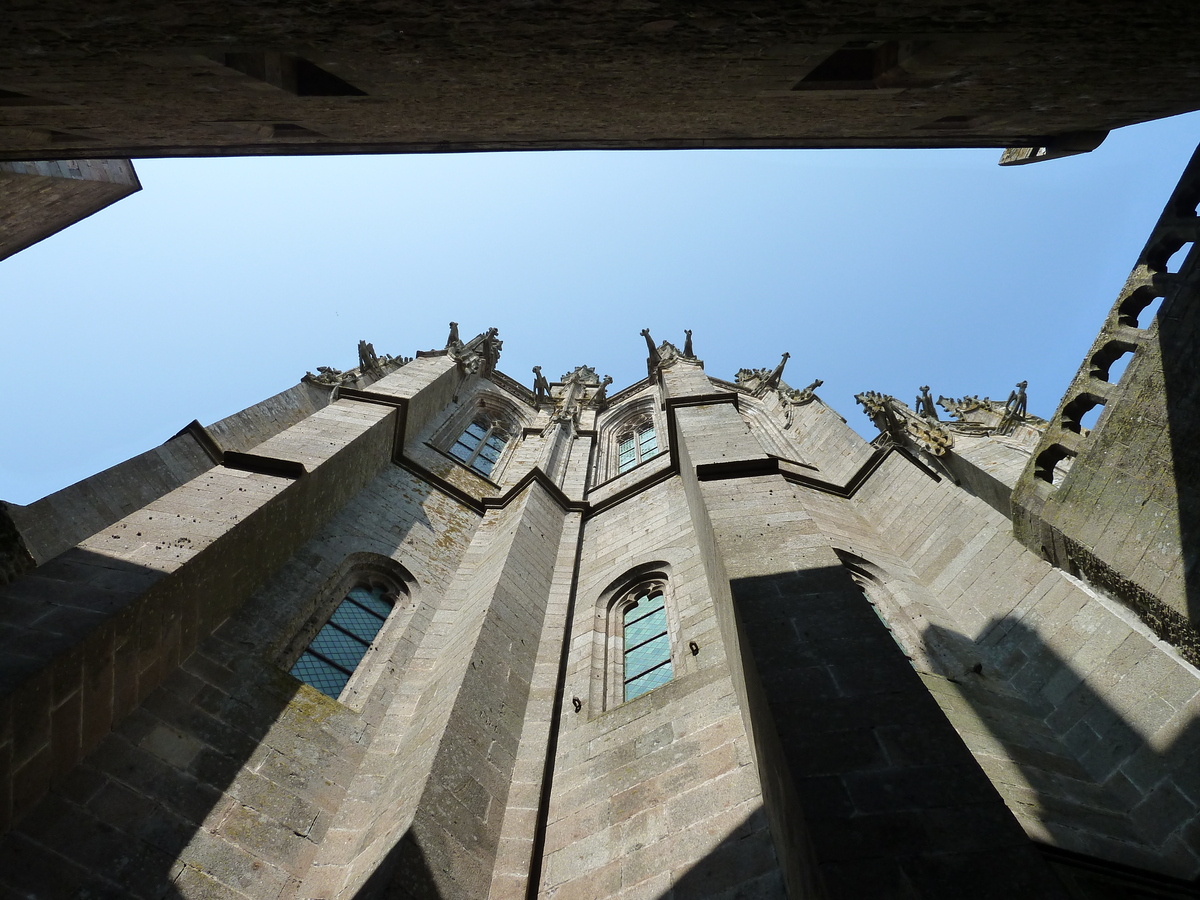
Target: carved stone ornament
664, 354
790, 398
584, 375
600, 397
369, 363
760, 382
541, 387
477, 356
987, 416
900, 423
568, 416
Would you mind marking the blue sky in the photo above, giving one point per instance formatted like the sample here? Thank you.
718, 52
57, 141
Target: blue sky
224, 280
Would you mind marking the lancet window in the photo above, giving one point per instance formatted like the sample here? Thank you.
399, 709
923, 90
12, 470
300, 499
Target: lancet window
636, 445
481, 444
647, 646
333, 655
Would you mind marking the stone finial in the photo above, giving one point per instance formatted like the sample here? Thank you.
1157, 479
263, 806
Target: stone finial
773, 379
584, 375
924, 404
1014, 408
368, 361
650, 348
541, 387
600, 398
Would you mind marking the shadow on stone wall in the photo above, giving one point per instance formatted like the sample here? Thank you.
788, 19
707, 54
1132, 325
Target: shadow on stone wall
895, 805
220, 784
403, 875
744, 864
1179, 346
1078, 772
117, 825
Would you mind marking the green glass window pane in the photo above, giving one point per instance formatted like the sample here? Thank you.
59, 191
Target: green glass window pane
646, 657
324, 677
648, 682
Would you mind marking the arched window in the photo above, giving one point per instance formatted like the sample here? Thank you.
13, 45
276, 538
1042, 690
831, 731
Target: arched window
636, 445
329, 661
481, 444
647, 655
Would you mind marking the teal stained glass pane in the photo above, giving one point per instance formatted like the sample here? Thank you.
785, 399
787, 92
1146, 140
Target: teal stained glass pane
475, 430
461, 451
483, 465
357, 621
339, 648
324, 677
646, 657
372, 599
642, 605
488, 452
648, 443
626, 455
643, 629
649, 681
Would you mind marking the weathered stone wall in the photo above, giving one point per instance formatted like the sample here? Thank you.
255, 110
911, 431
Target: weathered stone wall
40, 198
225, 781
61, 520
222, 78
1125, 515
455, 764
892, 801
1083, 719
989, 467
660, 793
825, 440
125, 606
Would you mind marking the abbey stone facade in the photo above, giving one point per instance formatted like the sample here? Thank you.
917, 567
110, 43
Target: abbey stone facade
419, 630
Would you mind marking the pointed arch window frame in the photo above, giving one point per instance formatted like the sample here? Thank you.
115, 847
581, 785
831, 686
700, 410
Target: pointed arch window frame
613, 648
633, 445
617, 424
383, 577
646, 659
481, 444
